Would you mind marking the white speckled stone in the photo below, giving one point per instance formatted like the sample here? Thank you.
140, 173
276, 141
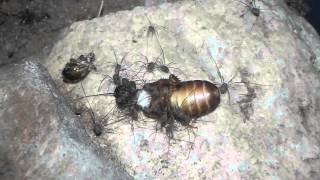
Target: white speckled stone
278, 50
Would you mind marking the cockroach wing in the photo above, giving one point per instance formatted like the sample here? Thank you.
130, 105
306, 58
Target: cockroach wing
196, 98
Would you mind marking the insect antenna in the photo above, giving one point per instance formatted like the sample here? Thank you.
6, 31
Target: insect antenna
257, 84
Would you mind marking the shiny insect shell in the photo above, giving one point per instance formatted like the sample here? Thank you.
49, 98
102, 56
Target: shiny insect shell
196, 98
180, 100
77, 69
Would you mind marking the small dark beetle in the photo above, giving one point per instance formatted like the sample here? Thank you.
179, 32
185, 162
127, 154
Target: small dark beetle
77, 69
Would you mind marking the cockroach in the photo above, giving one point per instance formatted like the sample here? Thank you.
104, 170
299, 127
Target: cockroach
77, 69
170, 100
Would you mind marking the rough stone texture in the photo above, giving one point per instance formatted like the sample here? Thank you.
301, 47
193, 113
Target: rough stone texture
40, 138
278, 50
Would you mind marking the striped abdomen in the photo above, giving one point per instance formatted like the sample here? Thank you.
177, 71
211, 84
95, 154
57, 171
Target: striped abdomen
195, 98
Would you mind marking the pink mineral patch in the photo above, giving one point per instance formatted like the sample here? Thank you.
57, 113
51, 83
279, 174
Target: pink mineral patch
230, 158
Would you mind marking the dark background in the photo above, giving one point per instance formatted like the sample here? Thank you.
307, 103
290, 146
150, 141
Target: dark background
313, 16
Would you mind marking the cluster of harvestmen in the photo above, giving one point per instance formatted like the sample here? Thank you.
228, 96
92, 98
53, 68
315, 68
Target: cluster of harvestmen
77, 70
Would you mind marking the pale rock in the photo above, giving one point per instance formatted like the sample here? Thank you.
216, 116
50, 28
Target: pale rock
279, 51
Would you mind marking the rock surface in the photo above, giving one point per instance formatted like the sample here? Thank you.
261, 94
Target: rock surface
277, 52
40, 137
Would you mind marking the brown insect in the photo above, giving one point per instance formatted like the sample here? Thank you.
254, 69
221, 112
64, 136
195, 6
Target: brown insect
170, 100
77, 69
196, 98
